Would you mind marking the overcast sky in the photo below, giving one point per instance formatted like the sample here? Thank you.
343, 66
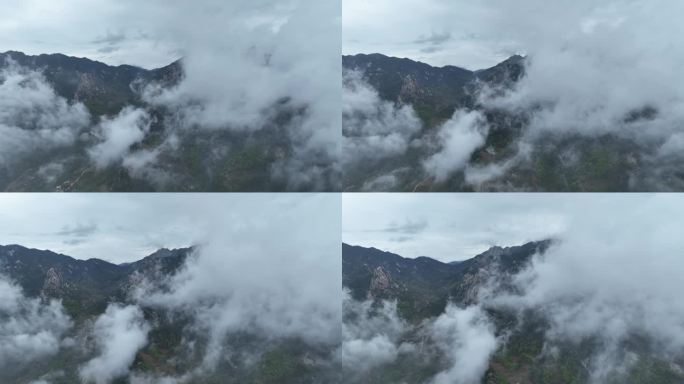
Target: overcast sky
452, 227
149, 33
437, 32
479, 34
126, 227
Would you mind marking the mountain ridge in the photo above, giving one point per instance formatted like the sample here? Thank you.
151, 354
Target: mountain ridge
105, 89
600, 163
85, 286
224, 159
46, 57
510, 59
435, 92
423, 286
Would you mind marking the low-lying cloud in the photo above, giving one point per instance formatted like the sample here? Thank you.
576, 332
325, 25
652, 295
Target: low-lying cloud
373, 128
371, 334
610, 279
33, 117
119, 333
256, 71
466, 337
605, 69
606, 291
593, 71
118, 134
244, 74
457, 139
30, 329
235, 282
375, 335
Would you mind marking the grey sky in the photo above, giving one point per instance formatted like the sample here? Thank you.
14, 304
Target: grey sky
149, 34
126, 227
438, 32
479, 34
452, 227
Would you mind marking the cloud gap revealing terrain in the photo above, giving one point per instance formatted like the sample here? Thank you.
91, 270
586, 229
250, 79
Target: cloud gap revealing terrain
596, 302
557, 97
240, 104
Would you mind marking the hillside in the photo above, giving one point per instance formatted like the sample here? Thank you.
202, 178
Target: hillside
430, 294
81, 125
174, 347
507, 156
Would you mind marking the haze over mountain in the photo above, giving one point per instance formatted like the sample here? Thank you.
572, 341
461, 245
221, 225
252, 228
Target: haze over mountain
62, 311
599, 303
86, 126
593, 107
232, 309
410, 133
248, 108
424, 321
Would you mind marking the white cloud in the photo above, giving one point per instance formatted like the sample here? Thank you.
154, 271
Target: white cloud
596, 69
623, 271
613, 275
592, 69
288, 286
373, 128
370, 334
246, 70
30, 329
466, 336
119, 333
363, 354
33, 117
242, 75
457, 139
118, 134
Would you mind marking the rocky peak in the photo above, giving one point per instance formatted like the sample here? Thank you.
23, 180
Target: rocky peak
380, 282
52, 283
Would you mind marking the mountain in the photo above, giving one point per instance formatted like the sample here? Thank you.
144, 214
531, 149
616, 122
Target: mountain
104, 89
175, 344
554, 162
434, 92
176, 154
84, 286
423, 286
